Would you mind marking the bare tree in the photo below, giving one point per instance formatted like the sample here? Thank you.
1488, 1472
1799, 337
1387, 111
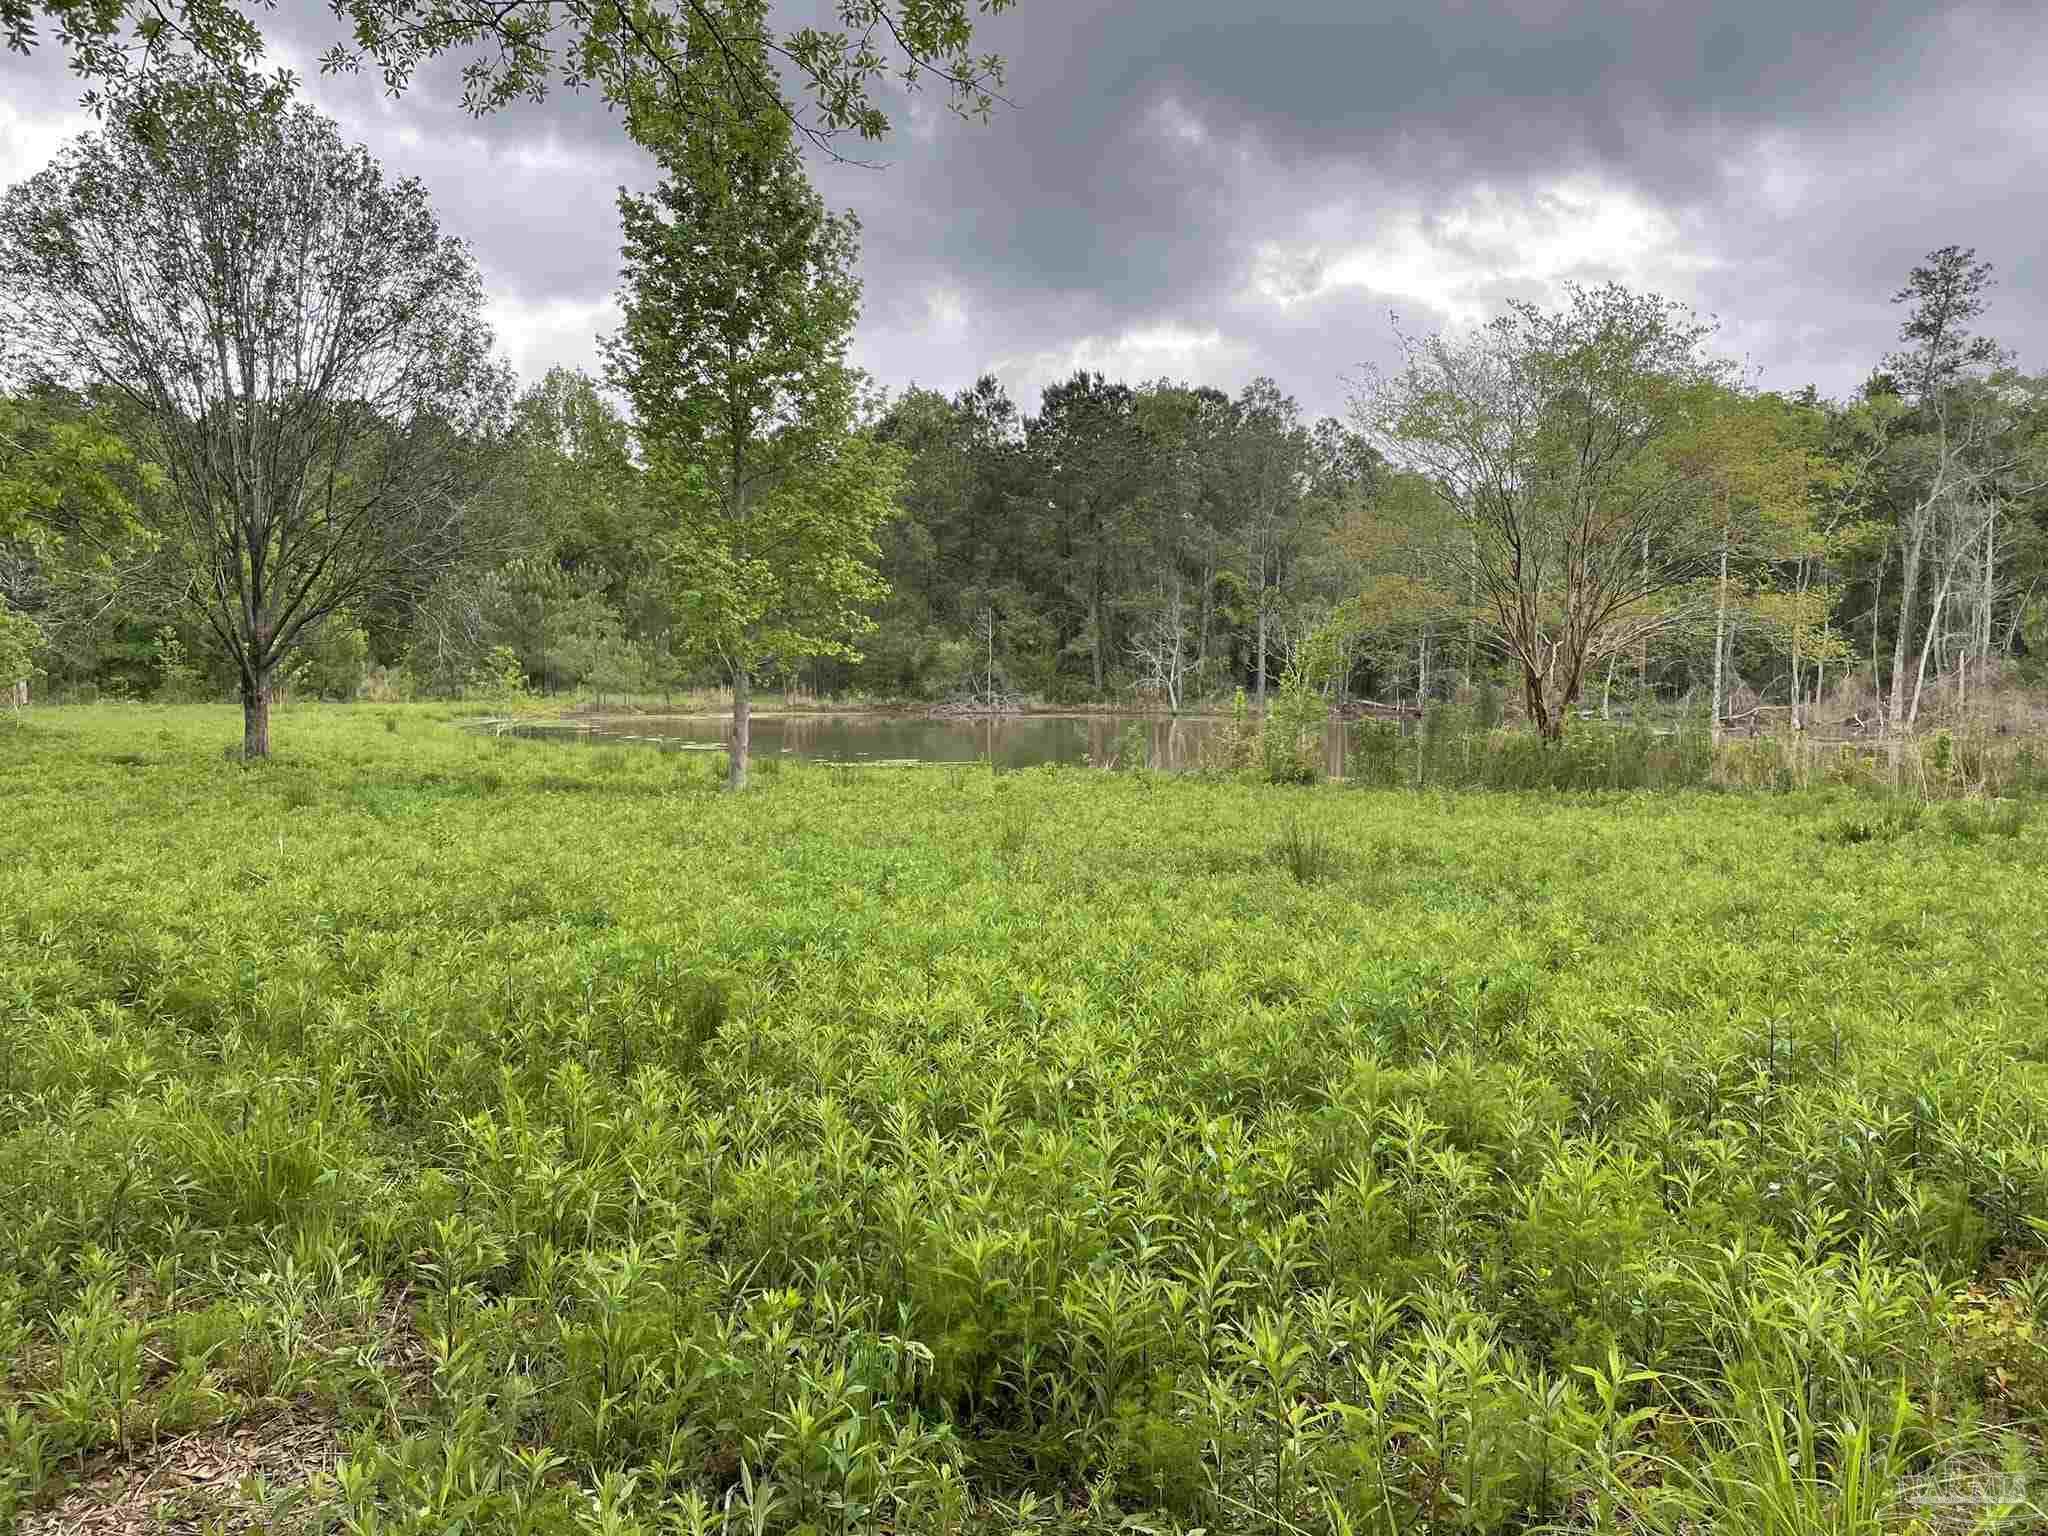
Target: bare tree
302, 347
1967, 530
988, 692
1161, 647
1952, 457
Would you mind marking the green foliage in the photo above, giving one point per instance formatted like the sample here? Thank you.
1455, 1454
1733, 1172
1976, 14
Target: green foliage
1588, 464
178, 681
333, 659
938, 1150
497, 679
1305, 851
1133, 748
519, 52
1291, 736
1486, 706
1873, 825
369, 423
21, 641
739, 305
791, 578
67, 479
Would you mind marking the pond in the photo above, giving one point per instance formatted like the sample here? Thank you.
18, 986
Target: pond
1014, 741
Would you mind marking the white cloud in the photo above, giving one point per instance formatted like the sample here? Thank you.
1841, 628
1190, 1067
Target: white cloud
945, 313
1166, 349
1779, 180
537, 336
1459, 259
1171, 118
29, 139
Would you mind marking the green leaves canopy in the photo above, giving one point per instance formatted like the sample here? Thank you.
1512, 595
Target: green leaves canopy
65, 475
633, 51
739, 299
796, 578
739, 304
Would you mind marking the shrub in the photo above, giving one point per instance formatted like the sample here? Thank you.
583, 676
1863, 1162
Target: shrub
178, 680
1292, 739
21, 641
1877, 824
333, 658
498, 678
1133, 752
1013, 829
1305, 851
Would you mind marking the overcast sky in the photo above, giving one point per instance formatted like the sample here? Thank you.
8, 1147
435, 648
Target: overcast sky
1214, 191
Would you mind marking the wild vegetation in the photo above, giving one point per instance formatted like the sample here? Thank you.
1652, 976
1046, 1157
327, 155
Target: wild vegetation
406, 1129
454, 1132
1584, 507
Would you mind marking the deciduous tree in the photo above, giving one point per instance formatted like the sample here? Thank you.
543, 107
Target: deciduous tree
519, 50
300, 347
1546, 434
1946, 449
739, 303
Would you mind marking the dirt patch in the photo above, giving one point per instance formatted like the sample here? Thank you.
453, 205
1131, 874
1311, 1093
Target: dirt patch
245, 1478
259, 1473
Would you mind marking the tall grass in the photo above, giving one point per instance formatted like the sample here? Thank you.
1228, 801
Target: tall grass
503, 1139
1449, 751
1306, 851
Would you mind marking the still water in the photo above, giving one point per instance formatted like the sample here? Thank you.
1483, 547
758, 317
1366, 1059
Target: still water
1017, 741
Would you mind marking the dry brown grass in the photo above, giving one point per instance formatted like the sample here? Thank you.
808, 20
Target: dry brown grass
265, 1475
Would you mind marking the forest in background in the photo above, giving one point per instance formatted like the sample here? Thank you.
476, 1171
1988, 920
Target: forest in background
268, 447
1159, 543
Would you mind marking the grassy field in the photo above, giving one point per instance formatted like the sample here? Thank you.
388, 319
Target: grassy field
430, 1133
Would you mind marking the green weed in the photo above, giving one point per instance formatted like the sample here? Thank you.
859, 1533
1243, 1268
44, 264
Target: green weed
559, 1145
1305, 850
1875, 824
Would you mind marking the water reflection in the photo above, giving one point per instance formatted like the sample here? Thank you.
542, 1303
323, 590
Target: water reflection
1016, 741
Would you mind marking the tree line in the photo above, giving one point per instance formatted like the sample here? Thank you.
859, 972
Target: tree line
1582, 506
255, 437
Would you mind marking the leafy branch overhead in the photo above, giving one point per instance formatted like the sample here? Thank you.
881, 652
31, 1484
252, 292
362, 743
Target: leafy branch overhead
636, 53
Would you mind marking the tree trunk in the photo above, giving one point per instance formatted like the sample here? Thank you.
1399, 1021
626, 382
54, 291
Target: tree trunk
1720, 634
1643, 649
1550, 727
1472, 622
1095, 623
256, 715
1799, 589
1259, 660
1990, 584
1926, 646
742, 729
1912, 546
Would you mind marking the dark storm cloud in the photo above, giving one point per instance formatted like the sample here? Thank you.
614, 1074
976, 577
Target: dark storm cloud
1798, 156
1216, 190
